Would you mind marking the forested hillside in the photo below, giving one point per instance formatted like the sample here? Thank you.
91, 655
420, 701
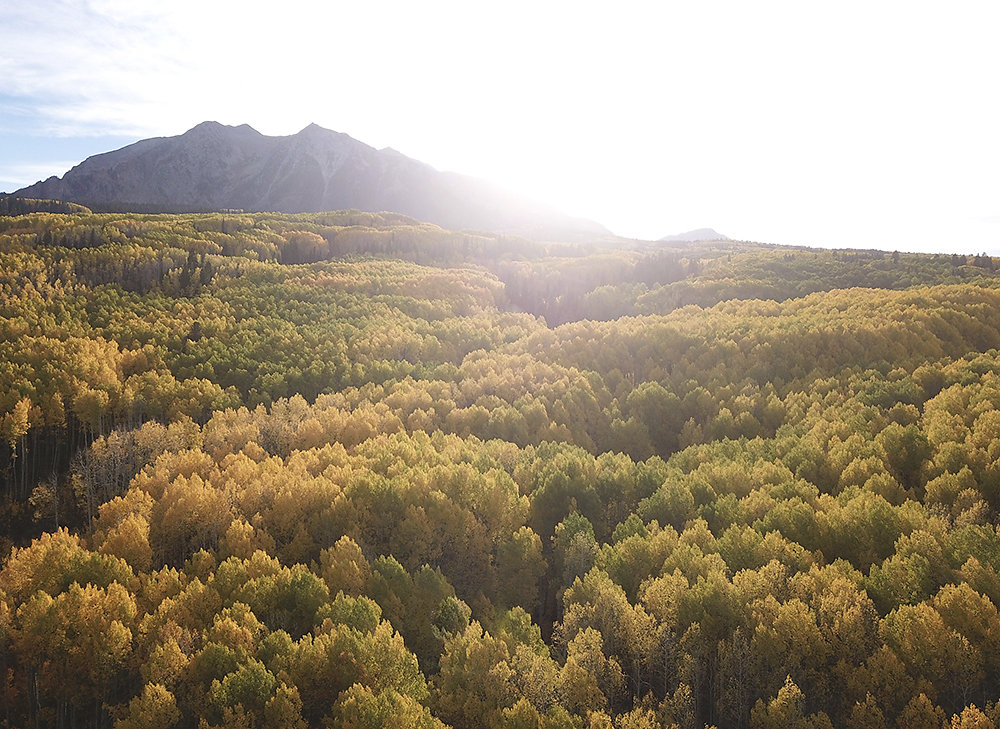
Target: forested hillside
353, 470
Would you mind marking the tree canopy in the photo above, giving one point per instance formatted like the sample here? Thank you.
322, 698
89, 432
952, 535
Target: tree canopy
349, 469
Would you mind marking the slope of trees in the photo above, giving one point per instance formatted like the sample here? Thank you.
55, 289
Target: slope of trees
10, 205
352, 470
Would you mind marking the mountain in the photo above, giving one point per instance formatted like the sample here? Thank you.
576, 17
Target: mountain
694, 235
216, 167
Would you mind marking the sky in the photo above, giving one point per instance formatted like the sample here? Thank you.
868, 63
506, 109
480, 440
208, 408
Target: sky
847, 124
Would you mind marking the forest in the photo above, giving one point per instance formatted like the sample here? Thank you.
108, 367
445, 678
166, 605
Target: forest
353, 470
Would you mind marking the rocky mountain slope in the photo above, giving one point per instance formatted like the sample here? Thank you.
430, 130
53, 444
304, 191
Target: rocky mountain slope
215, 167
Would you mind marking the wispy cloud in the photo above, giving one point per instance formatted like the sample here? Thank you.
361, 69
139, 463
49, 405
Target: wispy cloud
89, 67
16, 176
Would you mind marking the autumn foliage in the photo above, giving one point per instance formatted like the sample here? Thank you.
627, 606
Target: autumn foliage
352, 470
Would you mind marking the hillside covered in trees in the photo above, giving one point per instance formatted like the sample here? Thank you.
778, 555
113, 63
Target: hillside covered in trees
354, 470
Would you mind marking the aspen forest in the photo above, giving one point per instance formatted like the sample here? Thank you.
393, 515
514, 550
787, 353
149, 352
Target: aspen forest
354, 470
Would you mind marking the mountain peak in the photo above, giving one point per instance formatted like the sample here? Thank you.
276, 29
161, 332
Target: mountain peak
206, 127
694, 235
318, 134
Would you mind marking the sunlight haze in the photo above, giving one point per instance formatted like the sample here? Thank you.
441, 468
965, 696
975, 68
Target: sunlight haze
845, 125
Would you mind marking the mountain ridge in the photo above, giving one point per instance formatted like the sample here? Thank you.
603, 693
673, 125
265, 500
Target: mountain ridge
692, 236
213, 166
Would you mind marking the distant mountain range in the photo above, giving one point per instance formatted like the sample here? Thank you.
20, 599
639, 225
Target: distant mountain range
694, 235
218, 167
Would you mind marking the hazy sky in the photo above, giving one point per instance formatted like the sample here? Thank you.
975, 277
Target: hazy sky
861, 124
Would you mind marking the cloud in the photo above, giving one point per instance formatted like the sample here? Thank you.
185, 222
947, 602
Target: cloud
16, 176
101, 70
